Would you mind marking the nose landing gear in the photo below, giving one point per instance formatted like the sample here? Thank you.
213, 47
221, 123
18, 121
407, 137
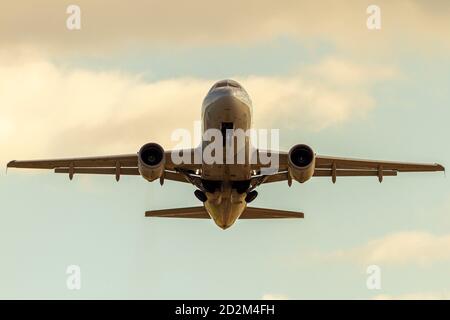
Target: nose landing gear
251, 196
200, 195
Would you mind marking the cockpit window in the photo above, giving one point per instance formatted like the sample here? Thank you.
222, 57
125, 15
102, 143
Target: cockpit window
226, 83
221, 84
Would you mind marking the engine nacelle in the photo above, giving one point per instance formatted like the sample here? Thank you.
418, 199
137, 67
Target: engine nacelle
151, 161
301, 162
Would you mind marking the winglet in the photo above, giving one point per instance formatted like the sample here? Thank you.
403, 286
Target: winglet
442, 168
8, 165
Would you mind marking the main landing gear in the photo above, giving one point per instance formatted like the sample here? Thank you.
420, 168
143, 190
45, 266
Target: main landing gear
251, 196
200, 195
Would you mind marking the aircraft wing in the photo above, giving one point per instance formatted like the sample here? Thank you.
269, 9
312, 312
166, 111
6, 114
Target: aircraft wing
327, 166
127, 160
110, 165
334, 166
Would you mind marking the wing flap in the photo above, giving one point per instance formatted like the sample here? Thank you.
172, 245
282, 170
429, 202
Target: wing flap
168, 175
283, 176
111, 171
353, 173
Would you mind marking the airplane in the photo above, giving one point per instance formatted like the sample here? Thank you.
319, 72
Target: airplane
225, 189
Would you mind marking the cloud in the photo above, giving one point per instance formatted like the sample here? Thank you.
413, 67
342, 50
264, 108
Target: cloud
341, 72
106, 24
401, 248
415, 296
271, 296
48, 110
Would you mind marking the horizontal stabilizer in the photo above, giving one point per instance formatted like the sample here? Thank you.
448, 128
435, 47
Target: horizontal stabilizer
263, 213
190, 212
200, 213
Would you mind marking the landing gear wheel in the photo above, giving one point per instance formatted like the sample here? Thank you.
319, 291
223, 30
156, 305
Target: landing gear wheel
251, 196
200, 195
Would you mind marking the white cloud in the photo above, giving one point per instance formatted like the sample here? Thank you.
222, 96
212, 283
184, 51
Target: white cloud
296, 102
50, 111
401, 248
113, 23
341, 72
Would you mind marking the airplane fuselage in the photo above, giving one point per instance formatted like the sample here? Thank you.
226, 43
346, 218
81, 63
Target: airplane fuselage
227, 107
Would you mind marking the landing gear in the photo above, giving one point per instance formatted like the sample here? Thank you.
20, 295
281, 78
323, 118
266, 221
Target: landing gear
241, 186
200, 195
251, 196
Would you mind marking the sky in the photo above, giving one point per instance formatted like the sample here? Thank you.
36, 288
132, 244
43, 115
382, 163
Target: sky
136, 71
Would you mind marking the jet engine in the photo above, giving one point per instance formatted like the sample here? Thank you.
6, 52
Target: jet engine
301, 162
151, 161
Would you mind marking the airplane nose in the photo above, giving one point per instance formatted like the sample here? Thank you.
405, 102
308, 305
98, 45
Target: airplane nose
228, 95
223, 92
